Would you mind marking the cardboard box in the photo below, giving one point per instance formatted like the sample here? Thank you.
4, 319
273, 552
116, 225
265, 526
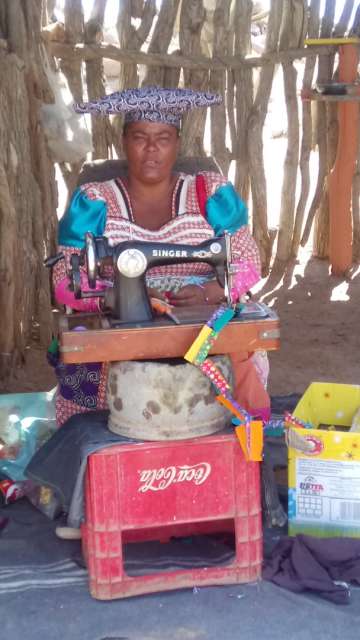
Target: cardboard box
324, 463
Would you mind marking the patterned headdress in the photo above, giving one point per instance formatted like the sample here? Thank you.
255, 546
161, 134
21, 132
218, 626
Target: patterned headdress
153, 104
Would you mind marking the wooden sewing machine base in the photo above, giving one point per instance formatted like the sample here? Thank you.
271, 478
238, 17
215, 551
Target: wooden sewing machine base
99, 342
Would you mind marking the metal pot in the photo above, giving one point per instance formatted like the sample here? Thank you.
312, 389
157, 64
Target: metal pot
164, 401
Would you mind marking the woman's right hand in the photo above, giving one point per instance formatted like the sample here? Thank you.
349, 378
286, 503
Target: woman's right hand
154, 293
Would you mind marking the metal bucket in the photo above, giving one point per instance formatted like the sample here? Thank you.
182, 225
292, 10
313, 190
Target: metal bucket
162, 401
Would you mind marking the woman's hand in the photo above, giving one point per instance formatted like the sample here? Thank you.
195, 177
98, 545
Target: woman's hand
154, 293
192, 294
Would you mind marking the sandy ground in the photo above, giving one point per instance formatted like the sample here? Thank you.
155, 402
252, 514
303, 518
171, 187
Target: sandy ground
319, 319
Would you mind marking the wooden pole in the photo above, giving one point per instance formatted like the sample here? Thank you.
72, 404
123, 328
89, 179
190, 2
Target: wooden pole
340, 181
149, 58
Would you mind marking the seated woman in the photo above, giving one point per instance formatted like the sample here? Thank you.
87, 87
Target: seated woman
152, 203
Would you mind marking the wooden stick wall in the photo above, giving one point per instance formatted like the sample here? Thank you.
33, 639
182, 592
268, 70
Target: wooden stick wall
230, 68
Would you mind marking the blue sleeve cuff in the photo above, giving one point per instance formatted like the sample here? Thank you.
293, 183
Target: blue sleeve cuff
225, 210
82, 215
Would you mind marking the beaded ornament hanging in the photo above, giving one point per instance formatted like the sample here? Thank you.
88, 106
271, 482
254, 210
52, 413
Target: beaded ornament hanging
197, 355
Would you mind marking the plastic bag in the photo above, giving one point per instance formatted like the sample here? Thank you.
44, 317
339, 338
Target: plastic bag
27, 420
66, 132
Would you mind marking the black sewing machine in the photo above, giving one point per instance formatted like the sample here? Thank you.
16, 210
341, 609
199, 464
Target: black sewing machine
128, 299
129, 331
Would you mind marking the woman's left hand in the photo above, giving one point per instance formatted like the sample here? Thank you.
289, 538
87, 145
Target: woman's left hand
192, 294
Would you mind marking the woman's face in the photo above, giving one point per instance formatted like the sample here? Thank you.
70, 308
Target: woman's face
151, 150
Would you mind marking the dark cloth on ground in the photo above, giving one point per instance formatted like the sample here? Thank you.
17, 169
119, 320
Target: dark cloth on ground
61, 462
319, 565
280, 404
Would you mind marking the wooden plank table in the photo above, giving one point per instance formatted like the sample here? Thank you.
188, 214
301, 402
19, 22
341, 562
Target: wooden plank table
160, 338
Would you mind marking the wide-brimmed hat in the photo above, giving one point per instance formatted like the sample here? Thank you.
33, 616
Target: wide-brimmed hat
154, 104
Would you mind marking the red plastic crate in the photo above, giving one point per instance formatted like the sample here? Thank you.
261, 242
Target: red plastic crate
155, 490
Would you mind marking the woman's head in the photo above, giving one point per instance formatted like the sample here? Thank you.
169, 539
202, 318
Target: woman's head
152, 123
151, 149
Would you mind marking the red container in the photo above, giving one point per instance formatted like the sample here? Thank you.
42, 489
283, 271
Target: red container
156, 490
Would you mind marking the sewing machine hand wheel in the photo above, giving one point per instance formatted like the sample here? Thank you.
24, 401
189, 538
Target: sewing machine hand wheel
75, 277
90, 252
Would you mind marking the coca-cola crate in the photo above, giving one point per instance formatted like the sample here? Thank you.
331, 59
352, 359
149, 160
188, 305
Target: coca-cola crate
156, 490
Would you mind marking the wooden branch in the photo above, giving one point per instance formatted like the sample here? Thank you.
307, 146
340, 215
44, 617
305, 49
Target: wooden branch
123, 24
293, 27
147, 19
16, 29
355, 29
50, 6
192, 18
24, 41
98, 11
243, 95
230, 110
313, 32
322, 97
321, 225
259, 17
70, 174
137, 8
340, 28
74, 33
322, 171
172, 74
255, 141
325, 66
73, 20
101, 136
113, 52
218, 85
344, 19
3, 21
327, 22
356, 208
287, 211
161, 39
127, 40
10, 247
326, 63
27, 215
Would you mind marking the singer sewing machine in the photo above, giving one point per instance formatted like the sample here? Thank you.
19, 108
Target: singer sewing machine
128, 299
128, 329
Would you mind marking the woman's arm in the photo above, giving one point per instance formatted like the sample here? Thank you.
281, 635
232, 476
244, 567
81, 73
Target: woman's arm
223, 208
86, 212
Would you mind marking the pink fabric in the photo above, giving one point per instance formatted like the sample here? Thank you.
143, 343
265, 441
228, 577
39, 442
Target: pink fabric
64, 295
248, 390
263, 413
245, 277
201, 192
